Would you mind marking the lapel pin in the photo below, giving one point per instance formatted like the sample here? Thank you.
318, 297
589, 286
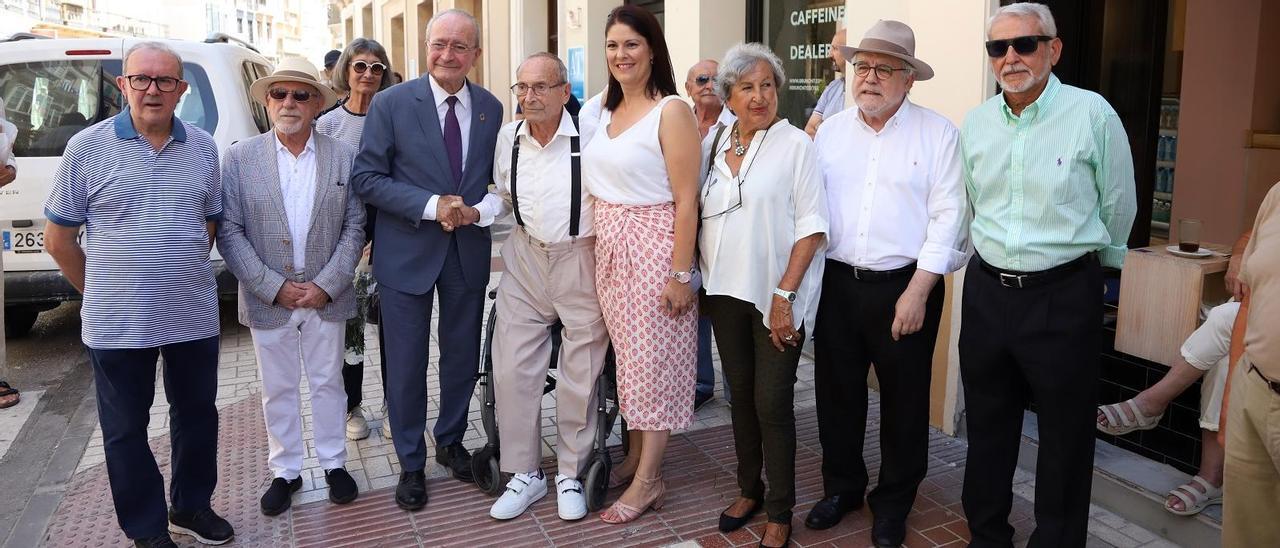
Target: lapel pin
481, 116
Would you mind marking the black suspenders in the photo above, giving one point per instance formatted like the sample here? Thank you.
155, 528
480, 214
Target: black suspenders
575, 196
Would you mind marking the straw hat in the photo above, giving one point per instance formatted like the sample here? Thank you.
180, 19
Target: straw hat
294, 69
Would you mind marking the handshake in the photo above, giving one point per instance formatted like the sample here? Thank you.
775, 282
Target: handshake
452, 213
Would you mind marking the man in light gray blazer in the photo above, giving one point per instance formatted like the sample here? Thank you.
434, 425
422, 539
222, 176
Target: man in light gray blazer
292, 234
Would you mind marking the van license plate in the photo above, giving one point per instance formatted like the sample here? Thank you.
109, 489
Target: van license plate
24, 241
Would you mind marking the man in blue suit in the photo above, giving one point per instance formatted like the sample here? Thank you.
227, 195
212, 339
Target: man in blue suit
425, 162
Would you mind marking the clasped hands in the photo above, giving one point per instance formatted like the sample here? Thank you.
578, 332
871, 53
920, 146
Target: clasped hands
294, 295
452, 213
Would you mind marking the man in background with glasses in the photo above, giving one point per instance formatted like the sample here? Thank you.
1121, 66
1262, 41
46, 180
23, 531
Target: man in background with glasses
292, 235
426, 159
899, 222
146, 173
1050, 179
550, 277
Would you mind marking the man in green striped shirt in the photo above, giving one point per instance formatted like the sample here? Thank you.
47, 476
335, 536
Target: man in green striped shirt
1050, 179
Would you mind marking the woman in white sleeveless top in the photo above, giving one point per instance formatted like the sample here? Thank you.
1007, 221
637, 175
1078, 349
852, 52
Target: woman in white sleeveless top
642, 169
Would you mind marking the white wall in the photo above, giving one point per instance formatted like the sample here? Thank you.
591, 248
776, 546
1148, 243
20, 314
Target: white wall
702, 30
582, 24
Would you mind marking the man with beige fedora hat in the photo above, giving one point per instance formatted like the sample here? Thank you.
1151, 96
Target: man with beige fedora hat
898, 224
292, 233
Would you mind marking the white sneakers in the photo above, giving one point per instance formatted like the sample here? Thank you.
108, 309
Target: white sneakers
525, 489
522, 491
572, 503
357, 426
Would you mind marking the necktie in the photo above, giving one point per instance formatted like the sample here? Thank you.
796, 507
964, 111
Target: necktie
453, 139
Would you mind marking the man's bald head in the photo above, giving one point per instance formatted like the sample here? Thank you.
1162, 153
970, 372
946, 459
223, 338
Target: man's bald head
700, 84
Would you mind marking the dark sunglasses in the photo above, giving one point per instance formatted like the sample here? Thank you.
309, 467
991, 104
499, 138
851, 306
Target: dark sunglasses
1024, 45
299, 95
702, 80
361, 66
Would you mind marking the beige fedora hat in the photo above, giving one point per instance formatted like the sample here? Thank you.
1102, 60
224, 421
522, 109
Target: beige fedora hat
294, 69
893, 38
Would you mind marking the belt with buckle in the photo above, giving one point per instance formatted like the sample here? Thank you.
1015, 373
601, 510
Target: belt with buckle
1273, 385
1022, 280
868, 275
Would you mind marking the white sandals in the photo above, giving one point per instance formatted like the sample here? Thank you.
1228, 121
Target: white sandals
1118, 423
1193, 500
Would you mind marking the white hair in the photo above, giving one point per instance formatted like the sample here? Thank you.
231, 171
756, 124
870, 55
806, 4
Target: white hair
1033, 10
561, 70
152, 46
741, 59
461, 13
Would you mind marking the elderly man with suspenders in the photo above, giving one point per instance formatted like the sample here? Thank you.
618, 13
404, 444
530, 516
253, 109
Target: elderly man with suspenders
550, 276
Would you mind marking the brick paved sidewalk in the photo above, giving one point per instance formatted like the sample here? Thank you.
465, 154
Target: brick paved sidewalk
698, 470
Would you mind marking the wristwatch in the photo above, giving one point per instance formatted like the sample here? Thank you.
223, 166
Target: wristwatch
790, 296
682, 277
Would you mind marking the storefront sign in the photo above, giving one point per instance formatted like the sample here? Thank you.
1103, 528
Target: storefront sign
799, 32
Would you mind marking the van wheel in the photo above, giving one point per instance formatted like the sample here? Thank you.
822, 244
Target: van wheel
18, 320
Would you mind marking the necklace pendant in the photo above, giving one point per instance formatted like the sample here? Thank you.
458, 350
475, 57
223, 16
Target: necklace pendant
739, 150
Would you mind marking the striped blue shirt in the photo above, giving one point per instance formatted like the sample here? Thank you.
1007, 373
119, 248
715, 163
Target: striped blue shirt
148, 281
1051, 184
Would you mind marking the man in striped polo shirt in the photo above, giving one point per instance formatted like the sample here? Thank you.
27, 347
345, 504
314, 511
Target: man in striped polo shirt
1050, 179
145, 184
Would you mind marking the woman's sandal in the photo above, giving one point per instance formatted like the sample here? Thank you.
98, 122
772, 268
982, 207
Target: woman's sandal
1193, 500
623, 513
5, 392
1118, 423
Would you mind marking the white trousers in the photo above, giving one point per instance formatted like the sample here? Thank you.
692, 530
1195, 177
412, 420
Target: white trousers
310, 343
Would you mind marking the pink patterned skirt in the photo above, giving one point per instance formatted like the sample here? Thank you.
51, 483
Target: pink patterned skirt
656, 354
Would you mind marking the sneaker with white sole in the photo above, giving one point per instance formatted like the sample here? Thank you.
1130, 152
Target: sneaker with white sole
386, 422
357, 427
572, 504
522, 491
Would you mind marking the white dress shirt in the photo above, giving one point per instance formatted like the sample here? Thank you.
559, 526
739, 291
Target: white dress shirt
298, 188
488, 207
744, 253
544, 177
896, 196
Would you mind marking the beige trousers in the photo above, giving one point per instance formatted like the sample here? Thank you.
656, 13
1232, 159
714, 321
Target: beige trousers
1252, 488
545, 282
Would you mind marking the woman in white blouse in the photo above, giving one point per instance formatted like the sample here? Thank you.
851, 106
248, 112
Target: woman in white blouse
641, 168
764, 217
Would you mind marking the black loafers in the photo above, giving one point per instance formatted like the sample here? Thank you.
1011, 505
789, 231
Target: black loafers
888, 532
279, 496
729, 523
342, 488
828, 512
411, 493
456, 458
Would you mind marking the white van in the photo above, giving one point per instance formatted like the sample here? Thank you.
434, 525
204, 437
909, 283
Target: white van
53, 88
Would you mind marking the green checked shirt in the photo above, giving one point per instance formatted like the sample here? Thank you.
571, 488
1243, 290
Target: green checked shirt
1050, 185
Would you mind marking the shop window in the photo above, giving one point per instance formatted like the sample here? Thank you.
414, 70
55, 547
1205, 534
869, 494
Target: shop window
799, 32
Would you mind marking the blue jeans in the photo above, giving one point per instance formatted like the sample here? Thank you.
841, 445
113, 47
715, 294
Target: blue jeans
706, 373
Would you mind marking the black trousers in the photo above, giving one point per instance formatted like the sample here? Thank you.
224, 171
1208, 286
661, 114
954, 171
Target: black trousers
762, 381
125, 383
854, 332
353, 375
1036, 344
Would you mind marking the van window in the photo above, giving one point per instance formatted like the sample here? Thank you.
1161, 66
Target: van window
50, 101
252, 72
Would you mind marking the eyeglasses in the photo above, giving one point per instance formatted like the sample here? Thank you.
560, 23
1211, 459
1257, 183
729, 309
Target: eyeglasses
299, 95
458, 49
703, 80
539, 89
361, 66
142, 82
884, 72
1024, 45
